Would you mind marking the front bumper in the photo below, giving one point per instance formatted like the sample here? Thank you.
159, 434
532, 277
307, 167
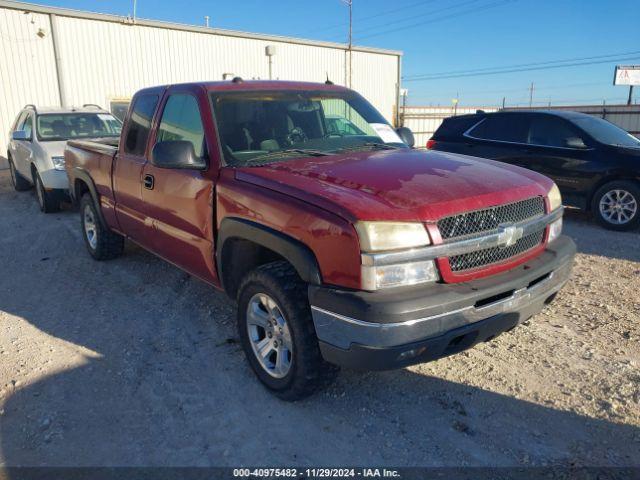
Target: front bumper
386, 329
53, 179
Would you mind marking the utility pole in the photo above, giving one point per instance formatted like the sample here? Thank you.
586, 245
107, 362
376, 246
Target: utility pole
349, 3
531, 95
630, 94
503, 101
135, 5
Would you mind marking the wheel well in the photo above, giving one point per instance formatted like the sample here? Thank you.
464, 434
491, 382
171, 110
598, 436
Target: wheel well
80, 187
240, 256
34, 172
604, 181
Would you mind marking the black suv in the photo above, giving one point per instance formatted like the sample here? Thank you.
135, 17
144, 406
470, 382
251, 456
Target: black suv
595, 163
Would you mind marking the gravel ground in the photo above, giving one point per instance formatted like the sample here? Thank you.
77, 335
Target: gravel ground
132, 362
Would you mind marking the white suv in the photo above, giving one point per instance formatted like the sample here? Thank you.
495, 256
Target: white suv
36, 147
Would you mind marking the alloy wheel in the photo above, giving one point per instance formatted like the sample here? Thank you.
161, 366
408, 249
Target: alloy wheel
269, 335
618, 206
90, 229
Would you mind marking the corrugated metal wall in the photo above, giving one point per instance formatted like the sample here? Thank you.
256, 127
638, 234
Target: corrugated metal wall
27, 66
102, 60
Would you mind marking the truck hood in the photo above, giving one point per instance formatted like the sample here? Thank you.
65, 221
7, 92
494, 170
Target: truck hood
400, 185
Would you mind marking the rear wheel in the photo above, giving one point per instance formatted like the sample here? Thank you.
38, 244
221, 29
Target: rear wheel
102, 243
277, 332
617, 205
18, 181
48, 201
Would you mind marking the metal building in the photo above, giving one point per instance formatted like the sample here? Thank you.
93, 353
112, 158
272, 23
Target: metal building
56, 56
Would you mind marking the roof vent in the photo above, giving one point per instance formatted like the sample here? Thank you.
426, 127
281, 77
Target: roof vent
237, 80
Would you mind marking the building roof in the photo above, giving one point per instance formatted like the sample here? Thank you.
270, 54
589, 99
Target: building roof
67, 12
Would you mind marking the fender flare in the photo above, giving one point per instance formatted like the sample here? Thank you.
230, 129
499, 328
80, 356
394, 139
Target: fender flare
81, 174
292, 250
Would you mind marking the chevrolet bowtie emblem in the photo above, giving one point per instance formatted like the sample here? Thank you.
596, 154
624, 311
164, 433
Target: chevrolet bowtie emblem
509, 235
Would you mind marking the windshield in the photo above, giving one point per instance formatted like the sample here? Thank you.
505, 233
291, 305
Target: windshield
265, 126
66, 126
606, 132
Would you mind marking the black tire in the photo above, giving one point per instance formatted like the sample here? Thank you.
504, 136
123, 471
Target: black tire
308, 371
633, 191
105, 245
48, 201
19, 183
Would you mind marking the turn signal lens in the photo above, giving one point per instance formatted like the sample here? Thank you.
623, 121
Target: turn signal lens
402, 274
555, 229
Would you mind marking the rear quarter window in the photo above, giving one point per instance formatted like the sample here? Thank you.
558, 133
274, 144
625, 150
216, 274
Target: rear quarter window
140, 124
505, 128
455, 126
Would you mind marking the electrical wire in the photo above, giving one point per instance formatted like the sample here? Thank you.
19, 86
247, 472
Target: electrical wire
548, 62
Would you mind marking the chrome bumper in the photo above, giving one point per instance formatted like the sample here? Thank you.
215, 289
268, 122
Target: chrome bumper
343, 331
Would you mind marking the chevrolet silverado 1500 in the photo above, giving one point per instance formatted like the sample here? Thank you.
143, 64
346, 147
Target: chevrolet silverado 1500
341, 247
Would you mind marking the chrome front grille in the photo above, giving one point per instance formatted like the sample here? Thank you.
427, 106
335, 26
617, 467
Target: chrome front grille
488, 256
488, 219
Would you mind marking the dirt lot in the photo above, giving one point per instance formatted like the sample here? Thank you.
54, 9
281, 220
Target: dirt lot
133, 362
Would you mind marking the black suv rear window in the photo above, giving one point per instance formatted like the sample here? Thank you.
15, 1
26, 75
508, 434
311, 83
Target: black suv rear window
455, 126
506, 128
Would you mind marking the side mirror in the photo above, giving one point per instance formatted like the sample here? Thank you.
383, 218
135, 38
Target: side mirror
406, 135
20, 135
575, 142
176, 154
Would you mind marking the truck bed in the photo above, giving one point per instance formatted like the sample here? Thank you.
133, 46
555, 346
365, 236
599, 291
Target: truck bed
96, 157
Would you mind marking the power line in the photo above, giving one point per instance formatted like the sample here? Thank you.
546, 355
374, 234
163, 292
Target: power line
413, 17
445, 17
548, 62
368, 17
515, 70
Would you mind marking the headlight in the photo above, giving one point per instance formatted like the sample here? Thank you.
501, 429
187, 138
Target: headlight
555, 229
58, 163
555, 199
380, 236
402, 274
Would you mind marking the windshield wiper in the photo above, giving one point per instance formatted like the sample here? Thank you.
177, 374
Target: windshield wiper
285, 153
369, 146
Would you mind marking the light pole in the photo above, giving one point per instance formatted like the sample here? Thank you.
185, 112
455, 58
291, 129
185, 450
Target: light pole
270, 51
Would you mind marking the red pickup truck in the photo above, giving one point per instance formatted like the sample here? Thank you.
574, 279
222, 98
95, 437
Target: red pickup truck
341, 245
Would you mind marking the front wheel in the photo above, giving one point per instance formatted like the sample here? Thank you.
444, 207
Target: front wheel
277, 332
102, 243
47, 201
615, 205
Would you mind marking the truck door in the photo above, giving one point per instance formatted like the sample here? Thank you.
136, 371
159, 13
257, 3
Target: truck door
179, 203
127, 172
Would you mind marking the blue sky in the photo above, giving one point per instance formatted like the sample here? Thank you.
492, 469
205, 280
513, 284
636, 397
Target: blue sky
439, 36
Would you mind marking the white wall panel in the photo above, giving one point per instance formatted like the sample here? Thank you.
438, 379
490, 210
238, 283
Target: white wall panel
103, 57
27, 66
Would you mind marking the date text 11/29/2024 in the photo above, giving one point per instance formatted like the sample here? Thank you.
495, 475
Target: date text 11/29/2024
316, 473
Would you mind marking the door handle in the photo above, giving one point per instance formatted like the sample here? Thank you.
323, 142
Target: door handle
148, 182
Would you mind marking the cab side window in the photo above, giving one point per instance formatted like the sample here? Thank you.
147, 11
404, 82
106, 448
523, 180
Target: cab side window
551, 132
140, 124
181, 121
